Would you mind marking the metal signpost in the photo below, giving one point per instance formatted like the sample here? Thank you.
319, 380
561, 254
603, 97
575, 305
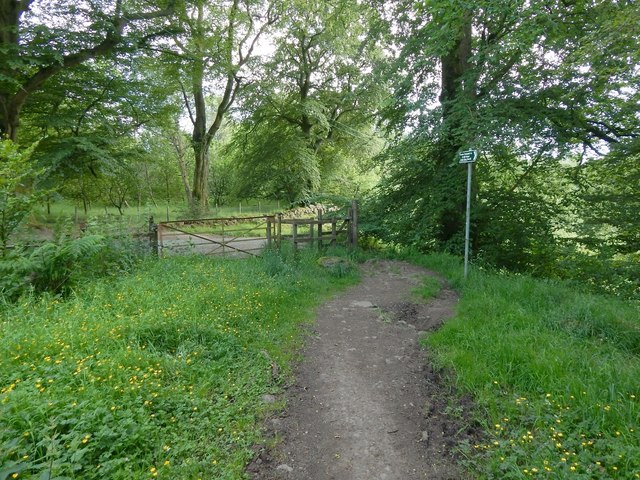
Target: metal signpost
468, 157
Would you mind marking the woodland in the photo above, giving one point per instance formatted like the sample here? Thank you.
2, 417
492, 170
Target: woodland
116, 363
134, 102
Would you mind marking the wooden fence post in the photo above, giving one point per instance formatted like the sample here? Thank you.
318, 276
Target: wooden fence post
320, 228
153, 236
279, 229
269, 220
350, 229
334, 231
223, 242
354, 223
294, 229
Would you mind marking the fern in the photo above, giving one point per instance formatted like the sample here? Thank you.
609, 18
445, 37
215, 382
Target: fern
66, 262
55, 264
14, 279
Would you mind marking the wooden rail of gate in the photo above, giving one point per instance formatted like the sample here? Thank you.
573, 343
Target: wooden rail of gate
243, 241
339, 227
225, 236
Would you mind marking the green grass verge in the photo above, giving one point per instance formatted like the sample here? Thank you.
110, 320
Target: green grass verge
159, 374
555, 374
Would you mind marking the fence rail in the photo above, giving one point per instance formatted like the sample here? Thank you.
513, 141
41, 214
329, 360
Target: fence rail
243, 236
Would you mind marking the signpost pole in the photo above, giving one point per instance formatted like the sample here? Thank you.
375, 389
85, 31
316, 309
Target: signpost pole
468, 221
468, 157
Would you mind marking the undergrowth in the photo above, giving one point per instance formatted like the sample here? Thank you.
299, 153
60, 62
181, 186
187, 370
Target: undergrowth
69, 259
158, 374
554, 372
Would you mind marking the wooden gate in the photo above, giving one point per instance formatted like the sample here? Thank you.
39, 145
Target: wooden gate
244, 236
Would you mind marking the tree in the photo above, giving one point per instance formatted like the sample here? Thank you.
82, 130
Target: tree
86, 120
608, 202
541, 80
318, 116
215, 53
38, 40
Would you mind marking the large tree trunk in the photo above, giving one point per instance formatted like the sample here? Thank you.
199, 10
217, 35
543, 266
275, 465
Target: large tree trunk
455, 85
455, 65
201, 174
238, 48
10, 12
200, 138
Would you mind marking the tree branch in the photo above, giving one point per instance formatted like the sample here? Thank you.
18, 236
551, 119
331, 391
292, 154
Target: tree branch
186, 103
112, 39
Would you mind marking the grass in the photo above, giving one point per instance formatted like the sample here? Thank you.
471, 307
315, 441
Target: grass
554, 372
158, 374
161, 212
429, 288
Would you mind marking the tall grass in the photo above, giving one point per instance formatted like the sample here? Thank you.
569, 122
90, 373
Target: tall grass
159, 374
554, 372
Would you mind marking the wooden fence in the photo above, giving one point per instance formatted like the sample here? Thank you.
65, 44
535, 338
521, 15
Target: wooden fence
242, 236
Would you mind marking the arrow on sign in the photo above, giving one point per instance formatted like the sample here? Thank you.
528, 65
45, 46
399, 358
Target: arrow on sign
468, 156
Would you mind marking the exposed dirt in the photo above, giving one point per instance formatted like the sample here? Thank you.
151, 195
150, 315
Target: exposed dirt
366, 404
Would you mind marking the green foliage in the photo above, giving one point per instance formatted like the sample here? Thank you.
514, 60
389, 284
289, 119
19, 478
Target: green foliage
37, 44
276, 164
18, 188
533, 77
616, 275
554, 373
516, 213
62, 265
548, 220
313, 129
279, 263
609, 199
156, 374
532, 88
414, 196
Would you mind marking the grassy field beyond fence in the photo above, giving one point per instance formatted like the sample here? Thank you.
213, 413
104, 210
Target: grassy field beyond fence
555, 373
160, 212
159, 374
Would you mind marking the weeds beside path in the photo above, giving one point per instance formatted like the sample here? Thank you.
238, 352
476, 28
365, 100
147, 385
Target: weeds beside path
554, 370
159, 374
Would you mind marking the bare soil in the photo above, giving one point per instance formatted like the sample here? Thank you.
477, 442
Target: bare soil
366, 403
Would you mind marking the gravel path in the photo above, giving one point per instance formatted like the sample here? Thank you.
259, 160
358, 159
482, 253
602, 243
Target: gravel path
366, 404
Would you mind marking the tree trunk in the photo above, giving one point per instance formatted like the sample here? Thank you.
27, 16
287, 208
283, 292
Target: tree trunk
456, 84
201, 175
455, 81
237, 48
146, 175
10, 12
178, 144
200, 137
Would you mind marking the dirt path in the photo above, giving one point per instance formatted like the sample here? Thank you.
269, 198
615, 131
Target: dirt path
366, 405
